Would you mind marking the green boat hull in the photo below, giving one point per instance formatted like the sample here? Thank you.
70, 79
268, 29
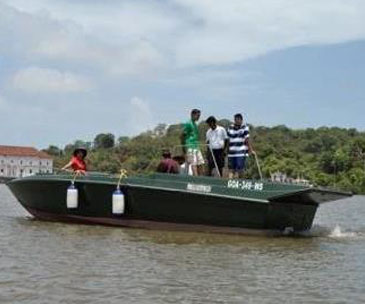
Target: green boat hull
175, 202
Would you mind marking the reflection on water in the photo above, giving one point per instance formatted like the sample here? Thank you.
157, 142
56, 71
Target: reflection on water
44, 262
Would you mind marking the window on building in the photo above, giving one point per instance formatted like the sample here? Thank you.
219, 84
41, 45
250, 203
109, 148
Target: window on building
2, 170
30, 163
21, 162
30, 171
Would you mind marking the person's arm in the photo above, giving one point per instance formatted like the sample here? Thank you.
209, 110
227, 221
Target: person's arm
248, 142
67, 166
207, 137
249, 146
182, 142
225, 138
184, 136
208, 147
226, 142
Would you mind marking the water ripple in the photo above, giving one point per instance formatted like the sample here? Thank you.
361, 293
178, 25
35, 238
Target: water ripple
55, 263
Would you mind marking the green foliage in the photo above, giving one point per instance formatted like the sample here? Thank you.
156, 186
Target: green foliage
122, 140
53, 151
104, 141
333, 157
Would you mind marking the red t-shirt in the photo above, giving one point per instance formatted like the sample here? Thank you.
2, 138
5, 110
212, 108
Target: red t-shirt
168, 165
78, 164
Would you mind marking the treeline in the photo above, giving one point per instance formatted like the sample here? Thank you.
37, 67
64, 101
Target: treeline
333, 157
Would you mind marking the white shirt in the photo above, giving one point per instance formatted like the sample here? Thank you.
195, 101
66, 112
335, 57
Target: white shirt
186, 169
216, 137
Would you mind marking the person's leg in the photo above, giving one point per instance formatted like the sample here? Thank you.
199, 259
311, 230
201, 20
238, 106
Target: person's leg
200, 162
219, 156
240, 166
220, 169
217, 161
195, 170
191, 161
231, 164
210, 163
200, 170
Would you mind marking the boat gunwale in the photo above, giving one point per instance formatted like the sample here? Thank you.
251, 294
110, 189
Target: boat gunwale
113, 180
89, 181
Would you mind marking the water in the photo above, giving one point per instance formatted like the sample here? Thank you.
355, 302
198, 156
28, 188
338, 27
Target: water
44, 262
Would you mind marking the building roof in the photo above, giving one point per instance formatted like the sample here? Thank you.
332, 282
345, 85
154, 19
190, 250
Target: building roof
23, 151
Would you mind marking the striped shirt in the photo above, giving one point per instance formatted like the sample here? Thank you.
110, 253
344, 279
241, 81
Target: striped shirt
237, 140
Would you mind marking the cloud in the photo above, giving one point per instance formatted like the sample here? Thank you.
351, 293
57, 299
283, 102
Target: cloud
30, 37
141, 117
177, 54
233, 31
35, 79
139, 37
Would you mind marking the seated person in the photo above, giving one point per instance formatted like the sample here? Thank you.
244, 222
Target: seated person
77, 162
167, 164
185, 168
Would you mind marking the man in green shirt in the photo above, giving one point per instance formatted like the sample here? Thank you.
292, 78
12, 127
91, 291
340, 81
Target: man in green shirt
190, 142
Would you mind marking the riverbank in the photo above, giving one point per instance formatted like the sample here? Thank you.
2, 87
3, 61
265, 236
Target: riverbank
330, 157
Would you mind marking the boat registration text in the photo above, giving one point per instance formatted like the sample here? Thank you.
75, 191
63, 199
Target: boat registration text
245, 185
199, 188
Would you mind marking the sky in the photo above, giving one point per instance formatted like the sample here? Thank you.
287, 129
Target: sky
73, 69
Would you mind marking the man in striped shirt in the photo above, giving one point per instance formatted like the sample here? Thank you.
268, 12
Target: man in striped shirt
239, 146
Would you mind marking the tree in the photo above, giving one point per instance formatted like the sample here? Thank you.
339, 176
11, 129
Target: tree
123, 140
53, 151
160, 130
104, 141
325, 156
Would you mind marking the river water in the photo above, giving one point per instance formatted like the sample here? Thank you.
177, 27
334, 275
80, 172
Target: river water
44, 262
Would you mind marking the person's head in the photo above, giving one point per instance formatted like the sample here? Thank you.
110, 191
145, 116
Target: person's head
212, 122
80, 153
166, 154
195, 114
180, 159
238, 119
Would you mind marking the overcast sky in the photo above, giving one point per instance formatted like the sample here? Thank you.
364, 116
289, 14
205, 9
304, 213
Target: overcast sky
72, 69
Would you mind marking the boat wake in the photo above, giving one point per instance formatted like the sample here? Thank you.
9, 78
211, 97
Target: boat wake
338, 233
332, 232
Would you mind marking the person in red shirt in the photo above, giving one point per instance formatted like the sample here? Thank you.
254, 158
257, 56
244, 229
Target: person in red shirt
77, 162
167, 164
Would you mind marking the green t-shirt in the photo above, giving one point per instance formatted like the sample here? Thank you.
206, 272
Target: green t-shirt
191, 135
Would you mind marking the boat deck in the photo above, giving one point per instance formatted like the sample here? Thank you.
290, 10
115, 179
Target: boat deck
254, 190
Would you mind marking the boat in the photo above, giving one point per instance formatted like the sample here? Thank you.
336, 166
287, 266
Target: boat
172, 201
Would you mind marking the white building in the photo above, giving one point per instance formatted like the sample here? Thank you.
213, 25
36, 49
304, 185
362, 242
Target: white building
23, 161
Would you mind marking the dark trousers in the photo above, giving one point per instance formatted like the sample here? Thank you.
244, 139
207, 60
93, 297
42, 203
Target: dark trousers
219, 158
